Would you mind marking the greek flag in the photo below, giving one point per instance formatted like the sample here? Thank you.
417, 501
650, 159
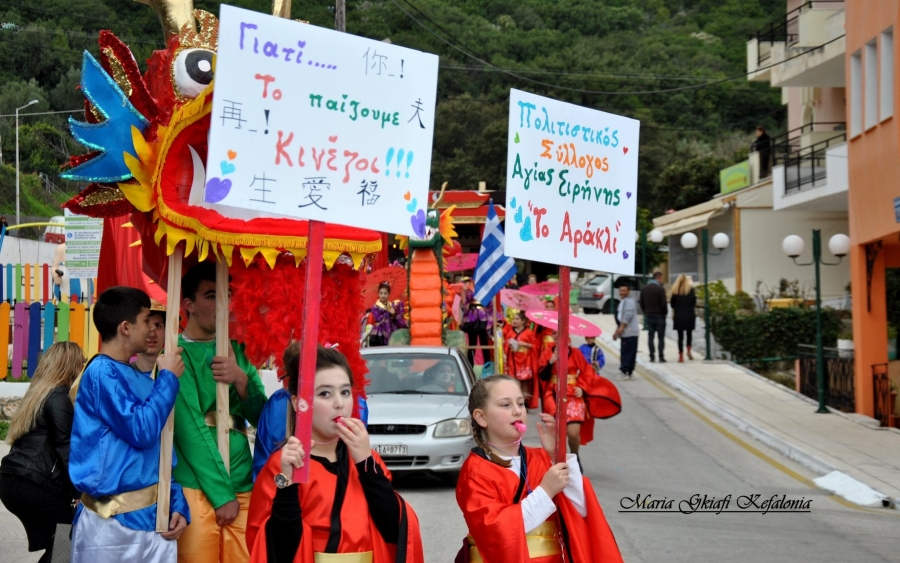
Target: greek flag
494, 268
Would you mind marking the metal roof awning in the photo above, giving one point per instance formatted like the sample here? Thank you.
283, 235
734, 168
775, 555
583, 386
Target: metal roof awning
689, 219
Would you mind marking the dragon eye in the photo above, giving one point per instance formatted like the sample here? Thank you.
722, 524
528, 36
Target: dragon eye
193, 71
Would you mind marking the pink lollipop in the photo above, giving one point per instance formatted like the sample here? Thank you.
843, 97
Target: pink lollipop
520, 426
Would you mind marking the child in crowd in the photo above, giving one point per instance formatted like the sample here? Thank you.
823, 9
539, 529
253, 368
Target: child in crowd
348, 506
510, 494
592, 353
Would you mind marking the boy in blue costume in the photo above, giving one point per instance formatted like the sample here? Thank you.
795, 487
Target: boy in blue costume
119, 415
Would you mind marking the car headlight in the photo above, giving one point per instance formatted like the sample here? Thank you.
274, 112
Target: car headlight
453, 428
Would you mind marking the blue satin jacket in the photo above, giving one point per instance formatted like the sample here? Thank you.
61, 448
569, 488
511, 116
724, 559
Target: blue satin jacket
119, 415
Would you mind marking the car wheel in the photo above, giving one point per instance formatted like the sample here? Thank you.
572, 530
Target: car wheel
588, 311
449, 479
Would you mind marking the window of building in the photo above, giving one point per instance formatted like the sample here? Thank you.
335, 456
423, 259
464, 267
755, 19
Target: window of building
855, 94
871, 82
886, 76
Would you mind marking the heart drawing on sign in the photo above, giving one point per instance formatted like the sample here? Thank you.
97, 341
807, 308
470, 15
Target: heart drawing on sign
625, 150
418, 223
333, 138
625, 254
525, 231
232, 155
518, 217
217, 189
407, 196
412, 205
628, 195
227, 167
516, 140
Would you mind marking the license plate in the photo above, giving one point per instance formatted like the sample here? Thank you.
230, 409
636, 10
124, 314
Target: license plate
390, 450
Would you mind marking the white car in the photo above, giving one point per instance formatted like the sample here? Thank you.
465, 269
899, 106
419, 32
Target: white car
418, 407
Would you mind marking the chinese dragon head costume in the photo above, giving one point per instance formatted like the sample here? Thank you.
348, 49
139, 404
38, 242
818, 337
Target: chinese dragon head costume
148, 138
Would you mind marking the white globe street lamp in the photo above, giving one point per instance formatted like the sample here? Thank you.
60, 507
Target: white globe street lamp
720, 241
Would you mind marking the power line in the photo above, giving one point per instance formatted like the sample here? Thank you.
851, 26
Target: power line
43, 112
583, 90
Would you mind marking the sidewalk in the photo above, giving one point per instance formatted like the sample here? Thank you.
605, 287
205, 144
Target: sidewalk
784, 420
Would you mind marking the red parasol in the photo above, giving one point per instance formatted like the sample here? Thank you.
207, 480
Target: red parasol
577, 325
461, 262
519, 300
394, 275
543, 288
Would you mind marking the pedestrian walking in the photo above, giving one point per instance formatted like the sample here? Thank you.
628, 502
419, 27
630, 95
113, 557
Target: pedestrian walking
556, 502
521, 351
628, 330
34, 475
655, 307
685, 318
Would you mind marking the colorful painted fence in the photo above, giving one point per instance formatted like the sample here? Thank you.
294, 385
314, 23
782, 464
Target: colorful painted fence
33, 316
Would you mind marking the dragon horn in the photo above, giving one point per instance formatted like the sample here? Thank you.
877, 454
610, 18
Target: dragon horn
440, 196
281, 8
173, 15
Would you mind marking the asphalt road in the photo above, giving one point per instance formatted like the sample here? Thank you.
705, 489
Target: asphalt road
663, 446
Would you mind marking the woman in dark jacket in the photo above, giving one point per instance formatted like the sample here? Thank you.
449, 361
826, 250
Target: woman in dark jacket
683, 302
34, 476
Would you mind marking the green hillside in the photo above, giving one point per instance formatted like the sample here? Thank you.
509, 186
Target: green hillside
652, 60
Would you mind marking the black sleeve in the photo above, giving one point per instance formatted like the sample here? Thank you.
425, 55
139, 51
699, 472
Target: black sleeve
59, 412
284, 529
384, 506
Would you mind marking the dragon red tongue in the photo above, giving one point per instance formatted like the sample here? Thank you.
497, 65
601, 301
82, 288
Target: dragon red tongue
520, 426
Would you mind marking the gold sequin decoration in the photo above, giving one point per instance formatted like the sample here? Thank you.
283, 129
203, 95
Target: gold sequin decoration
207, 38
101, 197
118, 71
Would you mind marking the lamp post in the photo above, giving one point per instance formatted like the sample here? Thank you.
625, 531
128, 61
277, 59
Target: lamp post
31, 103
656, 237
720, 241
839, 245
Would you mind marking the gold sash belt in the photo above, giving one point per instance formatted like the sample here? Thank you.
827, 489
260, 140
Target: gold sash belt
362, 557
542, 542
237, 423
120, 503
571, 380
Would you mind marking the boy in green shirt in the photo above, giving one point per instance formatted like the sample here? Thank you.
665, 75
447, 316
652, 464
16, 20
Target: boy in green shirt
219, 501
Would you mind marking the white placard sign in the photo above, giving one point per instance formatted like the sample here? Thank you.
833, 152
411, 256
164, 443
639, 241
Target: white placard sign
83, 238
315, 124
571, 185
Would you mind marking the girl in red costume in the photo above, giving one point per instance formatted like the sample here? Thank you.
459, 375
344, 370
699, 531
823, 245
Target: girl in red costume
348, 507
590, 395
521, 349
518, 505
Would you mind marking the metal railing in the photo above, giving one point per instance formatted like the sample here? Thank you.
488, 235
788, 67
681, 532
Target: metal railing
807, 165
789, 143
786, 29
881, 386
839, 376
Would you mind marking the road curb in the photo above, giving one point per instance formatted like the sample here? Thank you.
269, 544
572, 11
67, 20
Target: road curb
777, 443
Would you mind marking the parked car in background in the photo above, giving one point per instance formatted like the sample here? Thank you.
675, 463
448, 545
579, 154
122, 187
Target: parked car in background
418, 407
595, 293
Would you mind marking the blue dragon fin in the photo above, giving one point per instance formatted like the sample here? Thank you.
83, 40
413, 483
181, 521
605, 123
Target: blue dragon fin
112, 137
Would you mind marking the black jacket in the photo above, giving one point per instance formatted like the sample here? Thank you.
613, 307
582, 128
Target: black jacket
653, 299
42, 455
685, 316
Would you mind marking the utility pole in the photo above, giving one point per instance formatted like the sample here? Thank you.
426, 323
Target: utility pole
340, 15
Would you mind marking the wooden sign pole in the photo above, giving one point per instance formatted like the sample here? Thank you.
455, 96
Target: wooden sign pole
173, 306
309, 341
562, 364
223, 348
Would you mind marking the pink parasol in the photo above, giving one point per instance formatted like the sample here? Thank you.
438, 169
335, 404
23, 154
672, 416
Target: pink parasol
519, 300
577, 325
394, 275
543, 288
461, 262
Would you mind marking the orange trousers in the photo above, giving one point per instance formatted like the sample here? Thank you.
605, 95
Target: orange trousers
204, 541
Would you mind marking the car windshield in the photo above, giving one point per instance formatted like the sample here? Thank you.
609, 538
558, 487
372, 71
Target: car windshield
412, 374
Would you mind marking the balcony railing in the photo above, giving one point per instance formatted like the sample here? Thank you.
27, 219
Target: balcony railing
881, 386
786, 30
839, 378
789, 143
807, 166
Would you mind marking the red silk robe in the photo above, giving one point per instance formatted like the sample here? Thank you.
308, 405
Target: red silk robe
358, 532
525, 359
601, 397
485, 493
